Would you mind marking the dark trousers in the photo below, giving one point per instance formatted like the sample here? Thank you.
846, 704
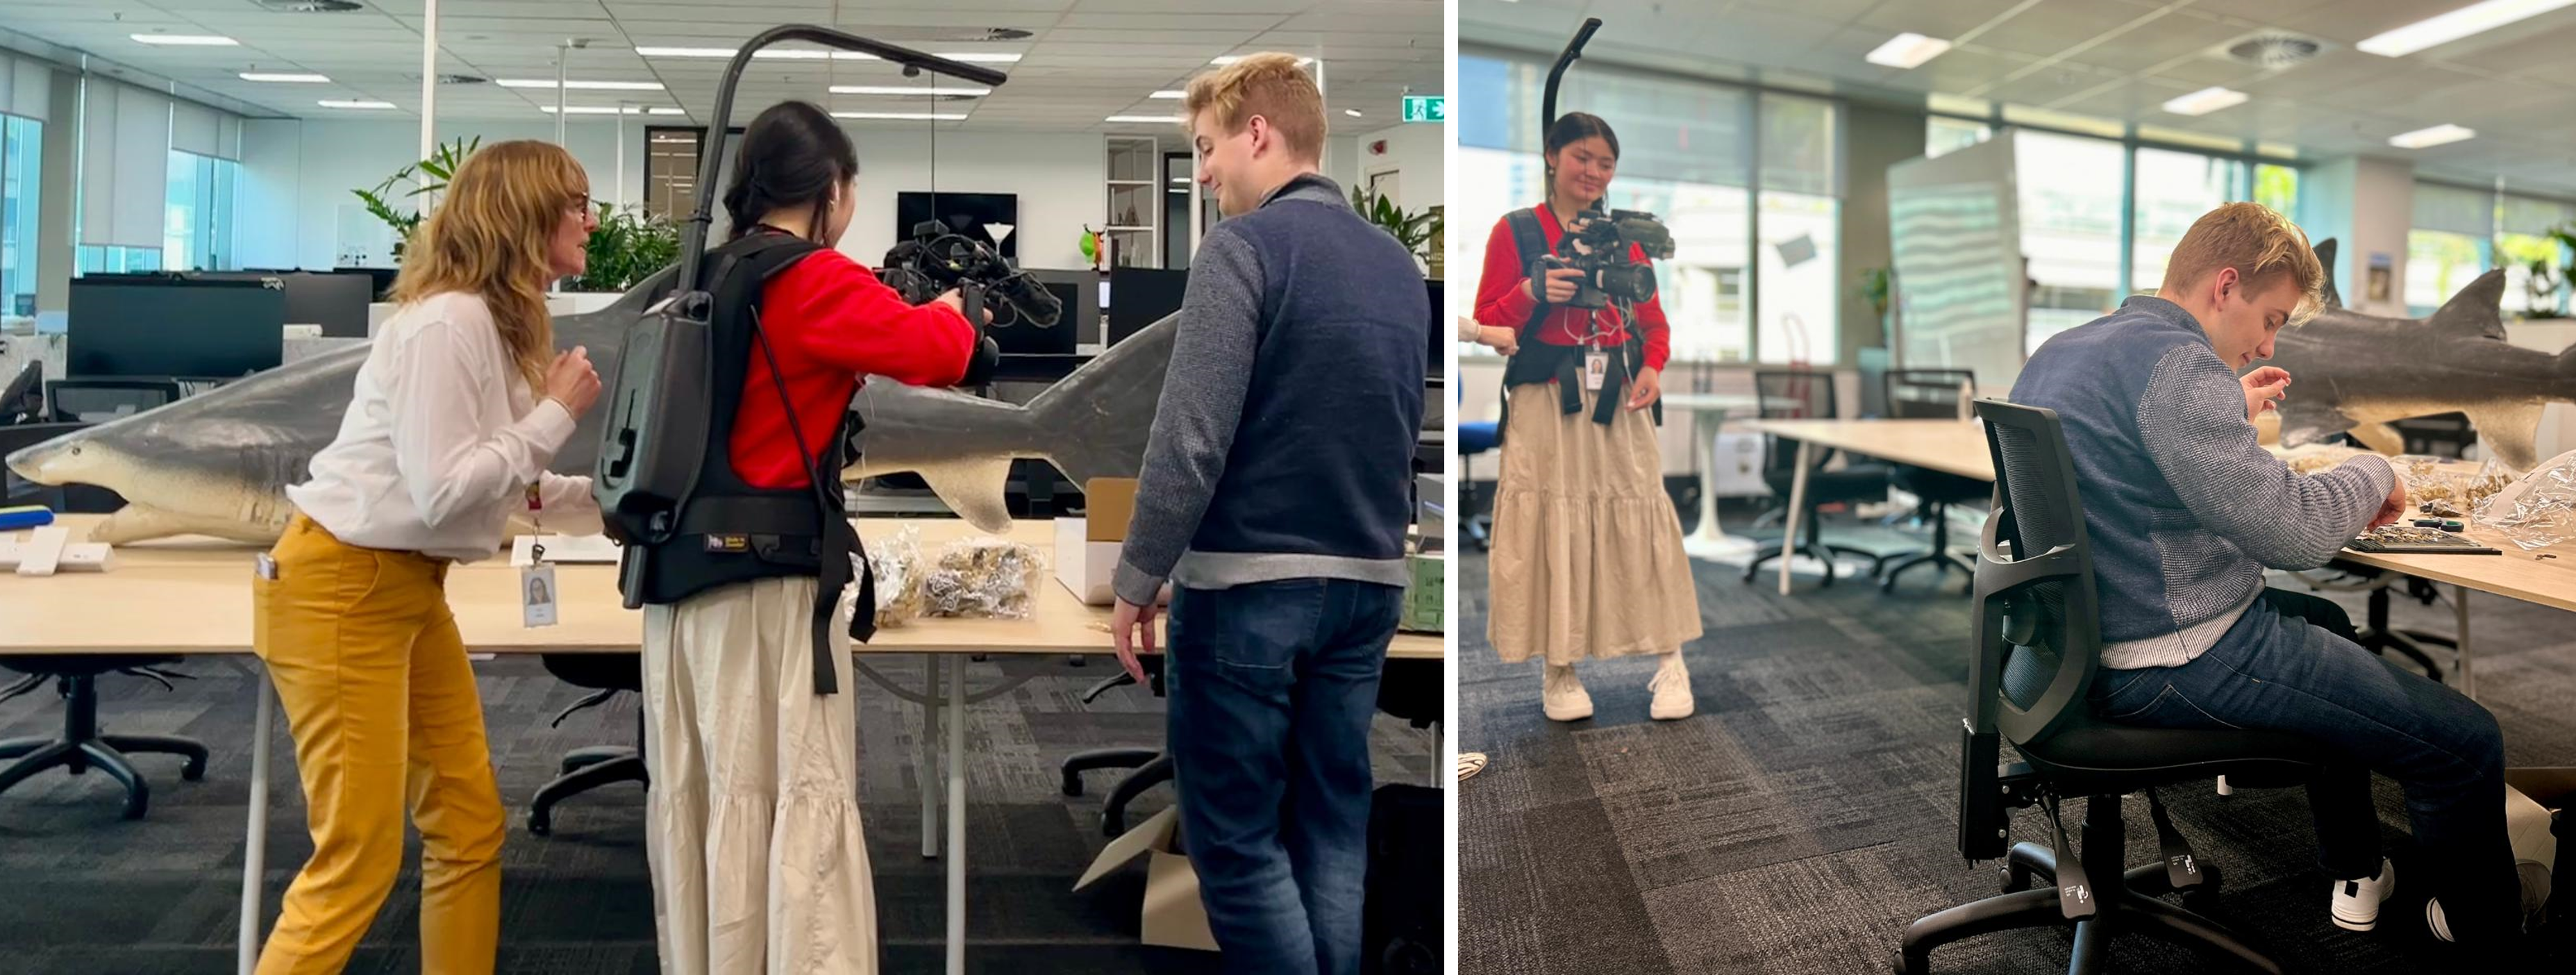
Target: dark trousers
1272, 687
2293, 665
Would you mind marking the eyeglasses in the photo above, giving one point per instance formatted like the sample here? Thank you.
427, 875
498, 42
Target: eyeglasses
583, 204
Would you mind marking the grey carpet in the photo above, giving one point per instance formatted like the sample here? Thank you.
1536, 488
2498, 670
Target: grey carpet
1807, 812
82, 890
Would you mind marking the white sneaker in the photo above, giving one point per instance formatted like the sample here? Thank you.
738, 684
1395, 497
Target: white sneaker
1564, 696
2356, 902
1672, 690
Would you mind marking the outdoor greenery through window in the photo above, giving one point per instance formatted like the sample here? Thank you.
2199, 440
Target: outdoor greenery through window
21, 182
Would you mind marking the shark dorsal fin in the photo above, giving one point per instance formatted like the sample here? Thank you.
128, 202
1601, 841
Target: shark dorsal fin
2476, 309
2326, 256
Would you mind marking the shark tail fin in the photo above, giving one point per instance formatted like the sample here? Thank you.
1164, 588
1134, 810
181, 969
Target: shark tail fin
1096, 421
2566, 364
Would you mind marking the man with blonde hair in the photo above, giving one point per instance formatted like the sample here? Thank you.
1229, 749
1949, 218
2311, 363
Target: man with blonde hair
1275, 497
2185, 511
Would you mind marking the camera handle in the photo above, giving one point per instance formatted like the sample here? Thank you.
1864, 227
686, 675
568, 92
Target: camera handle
987, 357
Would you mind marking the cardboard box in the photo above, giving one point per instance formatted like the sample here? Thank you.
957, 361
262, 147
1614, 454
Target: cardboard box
1086, 567
1109, 504
1172, 913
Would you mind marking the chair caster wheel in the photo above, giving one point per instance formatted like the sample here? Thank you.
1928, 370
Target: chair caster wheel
540, 826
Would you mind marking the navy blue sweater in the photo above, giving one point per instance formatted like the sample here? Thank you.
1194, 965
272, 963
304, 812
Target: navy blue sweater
1283, 444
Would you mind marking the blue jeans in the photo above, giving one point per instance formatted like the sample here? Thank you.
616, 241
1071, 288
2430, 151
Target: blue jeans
2291, 664
1272, 687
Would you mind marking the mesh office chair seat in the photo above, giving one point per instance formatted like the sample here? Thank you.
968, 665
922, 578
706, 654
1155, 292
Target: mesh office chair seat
2036, 653
1801, 395
1931, 394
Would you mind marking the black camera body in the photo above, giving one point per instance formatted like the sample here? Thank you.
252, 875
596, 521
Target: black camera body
937, 259
1598, 246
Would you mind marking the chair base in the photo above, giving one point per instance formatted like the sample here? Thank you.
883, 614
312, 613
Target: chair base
82, 748
2378, 637
1152, 767
1941, 562
1820, 551
585, 769
1101, 758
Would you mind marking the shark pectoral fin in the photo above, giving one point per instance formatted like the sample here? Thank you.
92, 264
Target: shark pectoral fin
2511, 429
973, 489
142, 522
2303, 423
2379, 437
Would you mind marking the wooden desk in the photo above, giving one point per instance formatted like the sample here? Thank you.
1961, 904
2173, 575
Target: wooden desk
1948, 446
201, 587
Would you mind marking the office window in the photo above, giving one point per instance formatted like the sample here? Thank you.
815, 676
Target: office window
2174, 189
2450, 243
1943, 134
1799, 274
2070, 228
197, 222
2277, 186
21, 184
93, 259
2523, 239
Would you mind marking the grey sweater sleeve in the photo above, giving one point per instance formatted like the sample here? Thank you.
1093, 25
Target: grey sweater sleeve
2192, 421
1195, 421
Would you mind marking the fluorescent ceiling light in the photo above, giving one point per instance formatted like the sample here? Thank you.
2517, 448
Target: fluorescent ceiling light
186, 40
936, 88
346, 103
1149, 119
301, 79
810, 54
2434, 136
2475, 18
1301, 62
1909, 49
1171, 93
1352, 112
904, 116
549, 84
2205, 101
609, 110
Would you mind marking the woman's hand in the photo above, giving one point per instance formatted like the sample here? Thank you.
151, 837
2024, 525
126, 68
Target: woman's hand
1504, 340
1559, 285
572, 381
1648, 388
956, 301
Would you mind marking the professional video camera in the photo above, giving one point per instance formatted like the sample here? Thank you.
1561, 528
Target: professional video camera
937, 259
1599, 247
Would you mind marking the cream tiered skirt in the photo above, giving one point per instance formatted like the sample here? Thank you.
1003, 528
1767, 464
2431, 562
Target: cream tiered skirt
1587, 558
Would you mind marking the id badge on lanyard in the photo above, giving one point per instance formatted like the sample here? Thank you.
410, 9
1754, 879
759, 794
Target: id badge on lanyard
1596, 368
537, 593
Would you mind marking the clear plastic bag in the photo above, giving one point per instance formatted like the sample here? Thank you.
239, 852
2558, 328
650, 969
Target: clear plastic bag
2543, 512
992, 578
897, 561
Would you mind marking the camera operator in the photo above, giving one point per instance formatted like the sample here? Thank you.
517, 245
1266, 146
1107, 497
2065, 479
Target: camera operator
1587, 557
752, 824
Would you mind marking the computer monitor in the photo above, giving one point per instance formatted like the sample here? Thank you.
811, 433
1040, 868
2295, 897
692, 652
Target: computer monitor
337, 302
1144, 295
211, 329
381, 280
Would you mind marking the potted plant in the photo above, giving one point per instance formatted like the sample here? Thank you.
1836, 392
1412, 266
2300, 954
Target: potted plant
1878, 287
628, 246
1414, 230
427, 176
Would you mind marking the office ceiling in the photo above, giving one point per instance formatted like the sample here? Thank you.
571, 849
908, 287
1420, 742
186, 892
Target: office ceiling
1082, 60
2121, 60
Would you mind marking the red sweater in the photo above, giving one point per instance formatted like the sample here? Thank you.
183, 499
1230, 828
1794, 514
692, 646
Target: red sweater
830, 321
1500, 301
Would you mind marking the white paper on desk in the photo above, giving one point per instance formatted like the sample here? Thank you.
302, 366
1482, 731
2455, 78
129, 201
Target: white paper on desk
564, 548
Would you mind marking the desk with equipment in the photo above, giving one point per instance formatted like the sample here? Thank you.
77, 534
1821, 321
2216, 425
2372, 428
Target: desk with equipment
88, 613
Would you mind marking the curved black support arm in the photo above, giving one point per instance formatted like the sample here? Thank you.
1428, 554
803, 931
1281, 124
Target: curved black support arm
693, 241
1564, 60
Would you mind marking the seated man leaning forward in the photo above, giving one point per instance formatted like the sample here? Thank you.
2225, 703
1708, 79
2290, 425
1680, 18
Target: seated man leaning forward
2185, 511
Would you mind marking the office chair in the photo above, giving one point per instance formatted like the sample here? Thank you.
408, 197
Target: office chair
1475, 438
1153, 766
2037, 650
584, 769
1931, 394
23, 399
1801, 395
82, 745
103, 399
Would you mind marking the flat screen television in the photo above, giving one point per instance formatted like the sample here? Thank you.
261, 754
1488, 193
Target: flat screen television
965, 213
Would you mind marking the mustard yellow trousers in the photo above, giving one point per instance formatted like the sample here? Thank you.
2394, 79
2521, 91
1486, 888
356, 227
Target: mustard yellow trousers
380, 699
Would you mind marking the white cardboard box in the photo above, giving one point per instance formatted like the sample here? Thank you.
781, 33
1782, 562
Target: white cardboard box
1173, 915
1087, 567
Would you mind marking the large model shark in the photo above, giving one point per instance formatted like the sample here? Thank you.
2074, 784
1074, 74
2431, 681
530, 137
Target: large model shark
2351, 372
218, 463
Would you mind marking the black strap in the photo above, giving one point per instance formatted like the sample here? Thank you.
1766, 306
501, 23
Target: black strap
2180, 868
1529, 240
841, 541
1541, 363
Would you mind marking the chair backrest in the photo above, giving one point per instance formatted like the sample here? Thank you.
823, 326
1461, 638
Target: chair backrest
105, 398
2039, 638
1795, 394
1927, 394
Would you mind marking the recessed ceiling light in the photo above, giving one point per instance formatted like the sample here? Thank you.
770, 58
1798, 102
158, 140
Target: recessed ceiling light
1232, 58
2476, 18
903, 116
186, 40
549, 84
1171, 93
2434, 136
1148, 119
935, 88
1352, 112
2205, 101
285, 78
609, 110
810, 54
348, 103
1908, 50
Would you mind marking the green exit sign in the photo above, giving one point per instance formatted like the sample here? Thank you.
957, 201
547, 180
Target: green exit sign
1426, 108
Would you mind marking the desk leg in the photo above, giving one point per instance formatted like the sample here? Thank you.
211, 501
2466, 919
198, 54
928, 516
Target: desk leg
930, 758
2460, 611
1797, 505
1709, 540
957, 819
255, 839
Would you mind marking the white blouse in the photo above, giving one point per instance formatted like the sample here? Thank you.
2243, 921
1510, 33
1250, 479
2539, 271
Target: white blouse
440, 442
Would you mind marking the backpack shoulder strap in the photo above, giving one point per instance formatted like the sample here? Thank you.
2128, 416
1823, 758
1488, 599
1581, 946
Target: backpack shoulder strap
1530, 238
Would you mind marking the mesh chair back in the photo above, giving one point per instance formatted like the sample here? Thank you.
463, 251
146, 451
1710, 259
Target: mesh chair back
1793, 395
1927, 394
2039, 632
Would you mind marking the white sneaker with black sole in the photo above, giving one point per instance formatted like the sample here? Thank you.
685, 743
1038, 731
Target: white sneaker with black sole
2356, 902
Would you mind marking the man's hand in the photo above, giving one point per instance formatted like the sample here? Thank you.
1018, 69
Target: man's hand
1129, 627
1504, 340
2262, 386
2392, 509
1648, 388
